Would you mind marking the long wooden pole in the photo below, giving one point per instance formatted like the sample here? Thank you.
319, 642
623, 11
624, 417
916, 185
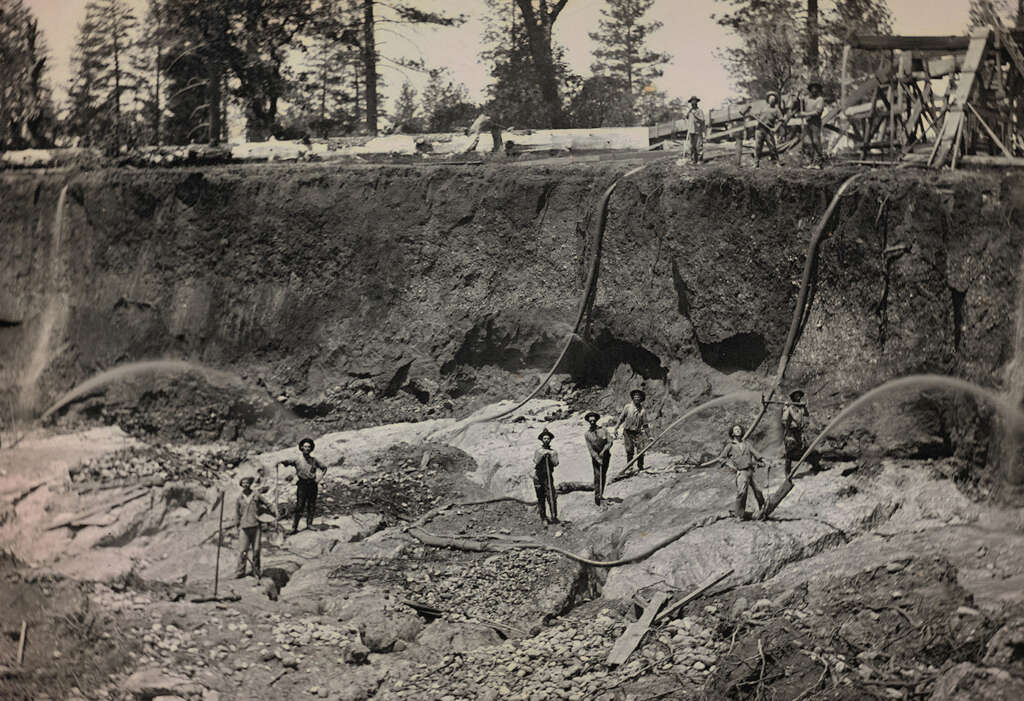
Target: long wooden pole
21, 642
220, 537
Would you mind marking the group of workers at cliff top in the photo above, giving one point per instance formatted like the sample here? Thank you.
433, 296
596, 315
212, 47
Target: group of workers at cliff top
632, 425
771, 120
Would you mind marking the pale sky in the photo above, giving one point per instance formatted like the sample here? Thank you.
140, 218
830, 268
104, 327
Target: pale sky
689, 34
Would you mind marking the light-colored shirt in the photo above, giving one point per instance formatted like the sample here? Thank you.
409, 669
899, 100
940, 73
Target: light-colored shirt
695, 121
770, 117
632, 418
541, 453
738, 455
481, 124
247, 509
306, 467
598, 441
813, 107
794, 418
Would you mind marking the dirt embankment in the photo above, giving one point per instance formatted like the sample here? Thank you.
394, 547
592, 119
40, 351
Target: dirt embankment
357, 296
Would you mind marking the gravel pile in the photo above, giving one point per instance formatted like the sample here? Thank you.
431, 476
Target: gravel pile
566, 661
156, 462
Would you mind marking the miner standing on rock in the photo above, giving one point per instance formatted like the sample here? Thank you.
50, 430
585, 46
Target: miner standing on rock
247, 511
739, 456
768, 124
794, 420
599, 443
633, 423
814, 106
308, 483
545, 459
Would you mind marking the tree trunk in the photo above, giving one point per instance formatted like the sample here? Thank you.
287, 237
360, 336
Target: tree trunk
812, 36
213, 77
1020, 14
538, 33
370, 65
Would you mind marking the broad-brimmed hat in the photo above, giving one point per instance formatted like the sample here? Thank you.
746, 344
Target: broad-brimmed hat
246, 480
312, 444
771, 93
693, 98
586, 417
796, 395
543, 433
633, 393
814, 81
735, 426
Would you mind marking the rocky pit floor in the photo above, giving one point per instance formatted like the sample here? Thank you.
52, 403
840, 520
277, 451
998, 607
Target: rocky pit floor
870, 582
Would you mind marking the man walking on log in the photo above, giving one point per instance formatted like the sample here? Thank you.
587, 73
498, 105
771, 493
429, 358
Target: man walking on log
247, 512
545, 459
768, 124
308, 483
599, 443
695, 130
739, 456
633, 423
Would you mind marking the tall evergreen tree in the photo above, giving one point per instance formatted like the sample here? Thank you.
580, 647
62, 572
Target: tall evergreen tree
405, 115
515, 94
621, 51
446, 104
26, 106
101, 73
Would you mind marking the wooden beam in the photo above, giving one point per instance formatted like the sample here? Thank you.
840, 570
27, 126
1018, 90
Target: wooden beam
991, 134
953, 124
634, 633
874, 42
711, 581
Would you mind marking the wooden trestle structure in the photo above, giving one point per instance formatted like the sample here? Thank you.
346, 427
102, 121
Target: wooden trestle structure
934, 100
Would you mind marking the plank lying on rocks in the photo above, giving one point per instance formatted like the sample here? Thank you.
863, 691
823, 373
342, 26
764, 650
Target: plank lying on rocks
634, 633
705, 585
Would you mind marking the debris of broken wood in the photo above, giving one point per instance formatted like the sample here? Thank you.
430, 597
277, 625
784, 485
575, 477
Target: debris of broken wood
704, 586
635, 632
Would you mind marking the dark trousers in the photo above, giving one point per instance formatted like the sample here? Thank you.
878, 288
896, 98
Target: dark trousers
305, 502
762, 137
600, 474
631, 442
543, 485
813, 131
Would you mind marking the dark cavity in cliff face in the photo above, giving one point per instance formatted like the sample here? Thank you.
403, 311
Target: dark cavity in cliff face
348, 297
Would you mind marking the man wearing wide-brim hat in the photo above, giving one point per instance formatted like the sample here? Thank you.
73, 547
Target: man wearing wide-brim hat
813, 108
247, 520
794, 420
695, 130
633, 424
769, 121
307, 483
599, 443
545, 459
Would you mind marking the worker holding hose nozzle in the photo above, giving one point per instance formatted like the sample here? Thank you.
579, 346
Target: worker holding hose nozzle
794, 420
739, 455
545, 459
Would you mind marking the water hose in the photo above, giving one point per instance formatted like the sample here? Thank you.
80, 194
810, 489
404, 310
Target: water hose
794, 326
1006, 408
586, 302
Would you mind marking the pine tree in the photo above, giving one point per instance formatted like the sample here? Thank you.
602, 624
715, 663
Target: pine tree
446, 104
406, 108
101, 73
26, 107
150, 83
539, 19
622, 52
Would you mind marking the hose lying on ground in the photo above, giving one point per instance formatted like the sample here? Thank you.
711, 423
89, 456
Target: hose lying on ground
513, 543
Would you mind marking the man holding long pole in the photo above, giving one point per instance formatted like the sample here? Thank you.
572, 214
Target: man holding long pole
545, 459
